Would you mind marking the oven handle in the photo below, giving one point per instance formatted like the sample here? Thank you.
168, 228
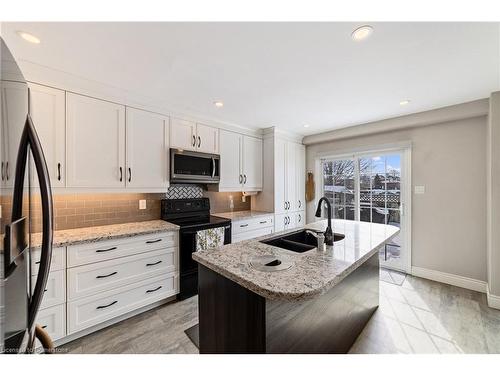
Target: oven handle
196, 231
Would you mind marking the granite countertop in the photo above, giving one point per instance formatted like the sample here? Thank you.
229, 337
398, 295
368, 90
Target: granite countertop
105, 232
242, 215
313, 272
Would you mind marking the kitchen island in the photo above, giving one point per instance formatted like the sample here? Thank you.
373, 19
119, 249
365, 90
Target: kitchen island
319, 304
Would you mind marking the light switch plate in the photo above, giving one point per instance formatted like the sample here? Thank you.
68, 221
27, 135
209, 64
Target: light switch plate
419, 189
142, 204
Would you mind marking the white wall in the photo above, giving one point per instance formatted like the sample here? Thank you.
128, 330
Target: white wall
449, 220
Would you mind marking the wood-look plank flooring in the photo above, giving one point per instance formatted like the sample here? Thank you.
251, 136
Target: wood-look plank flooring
420, 316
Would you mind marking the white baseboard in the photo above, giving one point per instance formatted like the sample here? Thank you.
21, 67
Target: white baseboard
448, 278
493, 301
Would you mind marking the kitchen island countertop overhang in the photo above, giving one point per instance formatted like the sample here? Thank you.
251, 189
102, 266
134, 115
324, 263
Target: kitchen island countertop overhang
313, 272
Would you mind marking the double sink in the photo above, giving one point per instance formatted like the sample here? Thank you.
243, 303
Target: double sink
298, 242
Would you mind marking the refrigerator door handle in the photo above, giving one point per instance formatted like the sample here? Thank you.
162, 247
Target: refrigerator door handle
29, 139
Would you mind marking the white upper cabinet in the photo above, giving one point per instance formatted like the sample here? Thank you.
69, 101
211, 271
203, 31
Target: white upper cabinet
147, 149
207, 139
252, 163
230, 161
289, 177
300, 177
187, 135
182, 134
14, 111
241, 162
95, 143
280, 155
48, 111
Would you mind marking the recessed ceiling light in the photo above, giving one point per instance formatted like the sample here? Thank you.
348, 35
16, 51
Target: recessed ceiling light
362, 33
306, 126
28, 37
219, 104
404, 102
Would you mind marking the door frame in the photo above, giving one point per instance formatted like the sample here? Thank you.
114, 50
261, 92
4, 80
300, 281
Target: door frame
405, 149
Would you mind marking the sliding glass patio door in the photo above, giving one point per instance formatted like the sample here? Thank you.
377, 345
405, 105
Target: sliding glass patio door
371, 187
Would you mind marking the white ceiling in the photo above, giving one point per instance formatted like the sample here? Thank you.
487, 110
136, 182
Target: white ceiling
272, 74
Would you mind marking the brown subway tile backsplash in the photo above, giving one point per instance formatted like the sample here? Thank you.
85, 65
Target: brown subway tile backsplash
86, 210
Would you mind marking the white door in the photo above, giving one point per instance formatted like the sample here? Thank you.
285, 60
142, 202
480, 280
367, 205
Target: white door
147, 149
291, 173
300, 218
300, 176
230, 161
182, 134
207, 139
14, 110
252, 163
95, 143
279, 176
48, 111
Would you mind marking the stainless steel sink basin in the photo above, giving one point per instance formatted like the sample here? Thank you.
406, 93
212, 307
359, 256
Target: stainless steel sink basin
298, 242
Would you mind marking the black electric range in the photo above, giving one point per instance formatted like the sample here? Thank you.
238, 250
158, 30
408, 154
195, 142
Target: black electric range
191, 215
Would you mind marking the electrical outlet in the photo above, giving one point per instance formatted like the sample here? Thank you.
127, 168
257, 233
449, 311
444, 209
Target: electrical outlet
142, 204
419, 189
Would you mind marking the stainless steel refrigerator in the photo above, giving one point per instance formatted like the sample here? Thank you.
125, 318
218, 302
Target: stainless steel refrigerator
25, 187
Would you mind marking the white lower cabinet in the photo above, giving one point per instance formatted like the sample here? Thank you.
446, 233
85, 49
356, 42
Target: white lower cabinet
98, 277
251, 228
87, 312
55, 289
92, 283
53, 320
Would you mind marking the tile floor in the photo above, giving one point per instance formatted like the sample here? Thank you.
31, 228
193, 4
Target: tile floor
420, 316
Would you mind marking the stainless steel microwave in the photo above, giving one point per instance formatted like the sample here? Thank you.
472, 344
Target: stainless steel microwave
194, 167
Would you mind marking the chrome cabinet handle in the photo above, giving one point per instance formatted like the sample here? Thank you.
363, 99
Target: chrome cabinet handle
284, 204
300, 218
241, 179
300, 203
121, 174
153, 290
243, 225
2, 172
153, 241
244, 178
108, 305
262, 222
129, 174
194, 140
104, 250
199, 141
59, 171
213, 167
153, 264
104, 276
7, 171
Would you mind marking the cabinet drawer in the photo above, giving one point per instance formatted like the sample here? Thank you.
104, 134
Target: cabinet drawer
241, 226
53, 320
57, 263
251, 234
111, 249
55, 290
89, 311
97, 277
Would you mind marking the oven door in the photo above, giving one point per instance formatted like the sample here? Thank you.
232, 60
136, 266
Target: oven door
188, 266
194, 167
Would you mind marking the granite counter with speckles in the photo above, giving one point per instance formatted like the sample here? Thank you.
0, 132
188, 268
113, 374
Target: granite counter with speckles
313, 273
105, 232
243, 215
